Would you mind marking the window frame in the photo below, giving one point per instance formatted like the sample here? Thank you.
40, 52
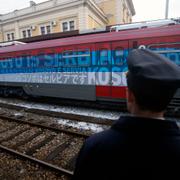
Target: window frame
10, 36
45, 29
26, 33
68, 21
76, 55
149, 46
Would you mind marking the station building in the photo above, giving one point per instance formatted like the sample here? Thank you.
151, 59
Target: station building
55, 16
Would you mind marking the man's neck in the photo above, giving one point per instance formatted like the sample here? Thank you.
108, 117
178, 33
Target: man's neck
148, 114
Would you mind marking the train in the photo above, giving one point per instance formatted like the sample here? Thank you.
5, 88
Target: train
89, 66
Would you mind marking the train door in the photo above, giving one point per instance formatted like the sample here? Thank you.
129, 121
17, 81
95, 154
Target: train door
103, 67
119, 69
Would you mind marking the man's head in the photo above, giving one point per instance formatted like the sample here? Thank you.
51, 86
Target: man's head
152, 80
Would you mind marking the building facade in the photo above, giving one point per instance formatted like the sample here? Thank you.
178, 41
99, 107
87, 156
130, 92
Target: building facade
63, 15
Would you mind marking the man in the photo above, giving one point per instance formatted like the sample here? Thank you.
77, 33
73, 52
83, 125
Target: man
143, 145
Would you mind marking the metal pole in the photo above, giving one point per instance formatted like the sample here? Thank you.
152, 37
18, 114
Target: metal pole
167, 9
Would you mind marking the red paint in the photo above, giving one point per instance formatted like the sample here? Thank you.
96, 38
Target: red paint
118, 92
111, 91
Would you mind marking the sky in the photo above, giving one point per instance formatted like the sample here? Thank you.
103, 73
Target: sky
155, 9
145, 9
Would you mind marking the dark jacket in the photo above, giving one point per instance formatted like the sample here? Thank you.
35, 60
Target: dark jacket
133, 148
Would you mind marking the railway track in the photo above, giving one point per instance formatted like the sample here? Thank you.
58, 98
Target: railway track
82, 124
26, 167
72, 114
53, 116
42, 143
173, 110
48, 147
31, 136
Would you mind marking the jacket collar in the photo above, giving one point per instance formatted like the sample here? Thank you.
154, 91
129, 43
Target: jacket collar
139, 124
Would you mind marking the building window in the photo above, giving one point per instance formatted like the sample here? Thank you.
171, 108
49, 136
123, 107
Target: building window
68, 25
10, 36
48, 29
71, 24
65, 26
45, 29
29, 33
26, 33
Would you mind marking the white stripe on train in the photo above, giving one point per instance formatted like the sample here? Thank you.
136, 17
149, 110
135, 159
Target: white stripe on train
75, 78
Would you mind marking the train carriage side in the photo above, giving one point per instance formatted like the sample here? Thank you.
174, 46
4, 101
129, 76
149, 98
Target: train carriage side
111, 80
60, 71
88, 71
90, 67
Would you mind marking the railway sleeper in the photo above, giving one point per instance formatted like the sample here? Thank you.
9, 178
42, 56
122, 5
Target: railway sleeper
33, 149
13, 135
26, 140
57, 150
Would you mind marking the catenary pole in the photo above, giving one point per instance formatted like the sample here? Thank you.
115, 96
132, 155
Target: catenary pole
167, 9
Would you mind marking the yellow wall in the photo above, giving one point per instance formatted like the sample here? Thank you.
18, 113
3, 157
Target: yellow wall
109, 7
36, 31
84, 18
56, 28
92, 23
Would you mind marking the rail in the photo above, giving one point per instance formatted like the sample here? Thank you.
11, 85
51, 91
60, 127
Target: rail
37, 161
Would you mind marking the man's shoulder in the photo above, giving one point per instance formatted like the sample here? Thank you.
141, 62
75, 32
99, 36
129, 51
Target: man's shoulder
103, 139
104, 135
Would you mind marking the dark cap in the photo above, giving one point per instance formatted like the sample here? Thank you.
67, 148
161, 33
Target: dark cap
149, 68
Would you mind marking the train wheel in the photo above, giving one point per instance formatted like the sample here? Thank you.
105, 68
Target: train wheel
23, 95
20, 93
6, 93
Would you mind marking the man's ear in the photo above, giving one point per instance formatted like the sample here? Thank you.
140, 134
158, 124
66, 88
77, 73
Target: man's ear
130, 96
130, 100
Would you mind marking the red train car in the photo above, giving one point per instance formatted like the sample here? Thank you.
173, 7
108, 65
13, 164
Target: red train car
87, 67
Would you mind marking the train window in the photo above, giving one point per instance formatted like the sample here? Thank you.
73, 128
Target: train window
70, 58
6, 64
49, 60
119, 56
135, 44
40, 58
13, 65
32, 61
169, 50
103, 57
84, 57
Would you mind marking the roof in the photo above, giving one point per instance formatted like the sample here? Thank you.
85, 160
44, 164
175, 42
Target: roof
95, 38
